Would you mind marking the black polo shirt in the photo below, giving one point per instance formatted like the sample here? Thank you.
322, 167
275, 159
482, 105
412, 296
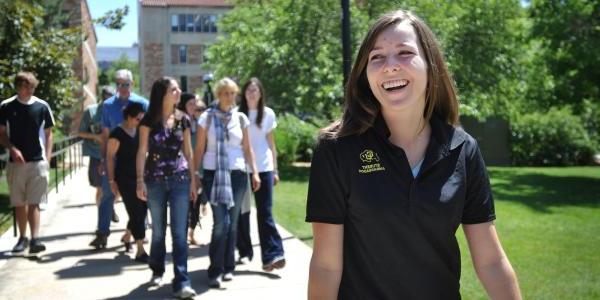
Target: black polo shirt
25, 124
399, 231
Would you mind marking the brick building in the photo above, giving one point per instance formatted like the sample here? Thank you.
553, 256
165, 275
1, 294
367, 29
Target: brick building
84, 64
173, 35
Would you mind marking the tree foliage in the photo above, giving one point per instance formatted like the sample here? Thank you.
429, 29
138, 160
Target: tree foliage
106, 77
114, 19
27, 43
292, 46
509, 58
568, 33
295, 47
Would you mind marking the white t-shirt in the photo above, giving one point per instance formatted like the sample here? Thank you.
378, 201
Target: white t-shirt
235, 153
258, 139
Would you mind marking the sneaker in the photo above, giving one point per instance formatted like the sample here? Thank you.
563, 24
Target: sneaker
228, 276
156, 280
244, 260
185, 293
214, 283
143, 258
36, 246
277, 263
21, 245
115, 217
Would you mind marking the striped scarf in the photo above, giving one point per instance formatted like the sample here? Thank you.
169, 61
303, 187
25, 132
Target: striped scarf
221, 192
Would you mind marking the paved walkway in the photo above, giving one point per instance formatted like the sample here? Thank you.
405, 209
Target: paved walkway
70, 269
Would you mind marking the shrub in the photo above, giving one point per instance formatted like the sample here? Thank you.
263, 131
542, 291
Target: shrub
295, 139
590, 115
556, 137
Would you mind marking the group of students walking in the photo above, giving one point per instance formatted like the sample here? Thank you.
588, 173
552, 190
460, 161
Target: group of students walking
173, 154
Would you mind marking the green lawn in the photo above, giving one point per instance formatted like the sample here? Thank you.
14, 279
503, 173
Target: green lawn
548, 220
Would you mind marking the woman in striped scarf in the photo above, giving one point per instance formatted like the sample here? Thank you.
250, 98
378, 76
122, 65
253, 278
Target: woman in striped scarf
223, 150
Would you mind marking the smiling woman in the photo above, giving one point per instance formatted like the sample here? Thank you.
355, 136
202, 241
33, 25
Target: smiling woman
393, 179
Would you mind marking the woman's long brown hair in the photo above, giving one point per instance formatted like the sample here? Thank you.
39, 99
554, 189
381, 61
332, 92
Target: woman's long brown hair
361, 108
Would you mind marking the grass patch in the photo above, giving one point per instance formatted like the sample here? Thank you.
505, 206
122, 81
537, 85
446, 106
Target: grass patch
289, 205
548, 222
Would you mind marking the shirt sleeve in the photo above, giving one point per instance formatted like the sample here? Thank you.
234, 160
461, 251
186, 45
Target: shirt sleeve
48, 118
327, 191
202, 119
185, 122
85, 121
3, 114
272, 121
243, 119
105, 117
479, 204
114, 134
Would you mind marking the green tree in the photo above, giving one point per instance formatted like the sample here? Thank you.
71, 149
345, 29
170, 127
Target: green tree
114, 19
568, 33
28, 44
294, 47
106, 77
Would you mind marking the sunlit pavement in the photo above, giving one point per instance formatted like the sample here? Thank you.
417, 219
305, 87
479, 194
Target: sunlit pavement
70, 269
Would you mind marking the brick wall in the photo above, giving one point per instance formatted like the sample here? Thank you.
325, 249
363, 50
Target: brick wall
195, 54
154, 67
84, 64
195, 83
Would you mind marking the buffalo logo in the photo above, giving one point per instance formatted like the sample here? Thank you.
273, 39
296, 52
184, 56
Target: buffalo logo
368, 156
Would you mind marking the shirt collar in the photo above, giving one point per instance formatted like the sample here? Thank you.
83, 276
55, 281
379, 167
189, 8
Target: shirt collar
444, 138
446, 135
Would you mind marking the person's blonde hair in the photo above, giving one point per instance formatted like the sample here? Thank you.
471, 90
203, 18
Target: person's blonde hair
224, 83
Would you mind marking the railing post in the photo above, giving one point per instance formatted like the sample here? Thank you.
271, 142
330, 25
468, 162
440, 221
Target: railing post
14, 213
70, 161
56, 172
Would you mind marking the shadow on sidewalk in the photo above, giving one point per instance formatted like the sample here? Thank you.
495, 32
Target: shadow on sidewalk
99, 267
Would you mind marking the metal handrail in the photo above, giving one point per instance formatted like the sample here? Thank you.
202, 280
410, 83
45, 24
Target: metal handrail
70, 146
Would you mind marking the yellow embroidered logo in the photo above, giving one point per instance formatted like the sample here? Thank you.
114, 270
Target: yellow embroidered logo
371, 162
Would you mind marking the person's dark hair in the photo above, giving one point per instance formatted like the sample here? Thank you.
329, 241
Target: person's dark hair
361, 108
261, 101
157, 94
107, 91
132, 110
25, 78
184, 99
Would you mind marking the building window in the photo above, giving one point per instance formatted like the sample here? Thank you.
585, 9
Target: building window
213, 23
183, 83
181, 23
182, 54
198, 22
174, 23
190, 23
194, 23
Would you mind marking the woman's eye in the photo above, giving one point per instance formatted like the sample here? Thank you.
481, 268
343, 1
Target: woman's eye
376, 56
405, 52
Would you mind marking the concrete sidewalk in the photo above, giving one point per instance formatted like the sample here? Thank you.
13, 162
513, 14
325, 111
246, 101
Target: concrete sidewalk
70, 269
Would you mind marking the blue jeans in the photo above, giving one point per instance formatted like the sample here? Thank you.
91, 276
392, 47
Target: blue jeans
224, 231
175, 191
105, 209
270, 240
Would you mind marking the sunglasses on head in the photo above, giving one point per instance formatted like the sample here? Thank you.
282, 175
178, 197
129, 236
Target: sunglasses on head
123, 85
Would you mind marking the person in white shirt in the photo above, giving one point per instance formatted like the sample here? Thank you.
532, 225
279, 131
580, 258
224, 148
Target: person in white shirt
262, 123
223, 150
